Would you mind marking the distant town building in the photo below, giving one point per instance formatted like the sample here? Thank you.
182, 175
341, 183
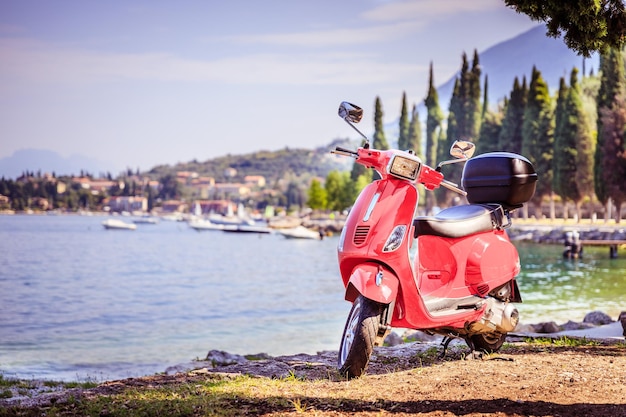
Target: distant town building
254, 180
185, 177
216, 206
174, 206
230, 172
130, 204
226, 191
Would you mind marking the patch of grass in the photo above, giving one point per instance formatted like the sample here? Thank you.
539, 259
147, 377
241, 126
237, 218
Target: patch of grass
84, 385
563, 341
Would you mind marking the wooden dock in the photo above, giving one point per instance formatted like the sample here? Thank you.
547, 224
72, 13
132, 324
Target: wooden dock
612, 244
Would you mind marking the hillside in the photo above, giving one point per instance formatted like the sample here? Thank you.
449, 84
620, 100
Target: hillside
273, 165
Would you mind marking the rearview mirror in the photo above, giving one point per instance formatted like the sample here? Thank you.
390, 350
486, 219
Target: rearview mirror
462, 149
350, 112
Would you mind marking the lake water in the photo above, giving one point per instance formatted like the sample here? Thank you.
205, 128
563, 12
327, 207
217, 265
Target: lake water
79, 302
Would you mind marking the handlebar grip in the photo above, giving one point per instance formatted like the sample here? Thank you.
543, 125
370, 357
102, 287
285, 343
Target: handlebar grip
343, 151
453, 187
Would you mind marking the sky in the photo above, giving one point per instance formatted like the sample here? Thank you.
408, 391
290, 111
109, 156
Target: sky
140, 83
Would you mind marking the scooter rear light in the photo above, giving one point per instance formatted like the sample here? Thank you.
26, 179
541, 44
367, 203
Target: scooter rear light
395, 238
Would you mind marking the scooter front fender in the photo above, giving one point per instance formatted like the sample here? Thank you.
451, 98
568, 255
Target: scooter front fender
373, 281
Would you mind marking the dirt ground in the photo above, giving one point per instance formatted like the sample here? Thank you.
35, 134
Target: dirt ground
522, 380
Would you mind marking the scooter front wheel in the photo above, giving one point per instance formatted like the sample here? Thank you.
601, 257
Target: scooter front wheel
359, 335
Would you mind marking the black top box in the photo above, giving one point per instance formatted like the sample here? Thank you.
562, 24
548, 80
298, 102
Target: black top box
499, 177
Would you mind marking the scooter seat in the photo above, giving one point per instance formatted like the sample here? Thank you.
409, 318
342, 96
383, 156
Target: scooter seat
459, 221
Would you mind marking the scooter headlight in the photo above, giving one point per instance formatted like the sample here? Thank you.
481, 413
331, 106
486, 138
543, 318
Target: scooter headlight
395, 238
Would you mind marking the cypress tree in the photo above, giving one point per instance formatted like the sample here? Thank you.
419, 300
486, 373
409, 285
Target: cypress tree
473, 112
485, 99
403, 135
414, 138
614, 132
461, 104
379, 135
538, 134
490, 131
575, 146
611, 85
558, 160
455, 114
511, 133
452, 132
434, 118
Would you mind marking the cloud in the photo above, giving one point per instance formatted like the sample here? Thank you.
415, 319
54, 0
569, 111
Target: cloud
426, 10
333, 37
45, 63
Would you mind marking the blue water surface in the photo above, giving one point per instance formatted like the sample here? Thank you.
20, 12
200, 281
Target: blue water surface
81, 302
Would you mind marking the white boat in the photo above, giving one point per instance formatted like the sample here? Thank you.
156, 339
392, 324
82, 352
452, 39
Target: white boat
232, 219
247, 228
203, 224
299, 232
115, 224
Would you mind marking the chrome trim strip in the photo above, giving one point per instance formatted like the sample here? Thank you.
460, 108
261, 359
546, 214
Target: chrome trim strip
370, 208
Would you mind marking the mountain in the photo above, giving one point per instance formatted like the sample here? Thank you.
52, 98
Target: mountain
273, 165
47, 161
515, 57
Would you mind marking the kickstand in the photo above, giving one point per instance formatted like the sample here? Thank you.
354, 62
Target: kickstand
482, 355
476, 354
445, 342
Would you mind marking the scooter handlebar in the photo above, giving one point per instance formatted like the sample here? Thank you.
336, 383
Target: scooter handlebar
453, 187
343, 151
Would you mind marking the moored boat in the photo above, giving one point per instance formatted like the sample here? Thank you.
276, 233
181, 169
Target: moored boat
300, 232
203, 224
115, 224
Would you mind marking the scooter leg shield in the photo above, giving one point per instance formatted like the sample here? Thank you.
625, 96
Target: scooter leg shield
373, 281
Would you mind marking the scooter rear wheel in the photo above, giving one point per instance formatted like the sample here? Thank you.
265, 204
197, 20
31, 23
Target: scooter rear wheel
359, 335
488, 342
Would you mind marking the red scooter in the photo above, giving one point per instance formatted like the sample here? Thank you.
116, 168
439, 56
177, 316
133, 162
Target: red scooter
451, 274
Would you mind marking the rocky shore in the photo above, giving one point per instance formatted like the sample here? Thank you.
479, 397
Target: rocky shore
556, 233
400, 355
595, 325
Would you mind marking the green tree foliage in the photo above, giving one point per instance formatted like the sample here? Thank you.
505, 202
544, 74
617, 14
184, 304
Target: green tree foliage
558, 161
379, 133
473, 112
317, 195
464, 119
434, 117
573, 156
338, 191
511, 133
490, 132
454, 111
403, 128
614, 152
170, 188
586, 25
611, 85
414, 141
538, 133
295, 196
